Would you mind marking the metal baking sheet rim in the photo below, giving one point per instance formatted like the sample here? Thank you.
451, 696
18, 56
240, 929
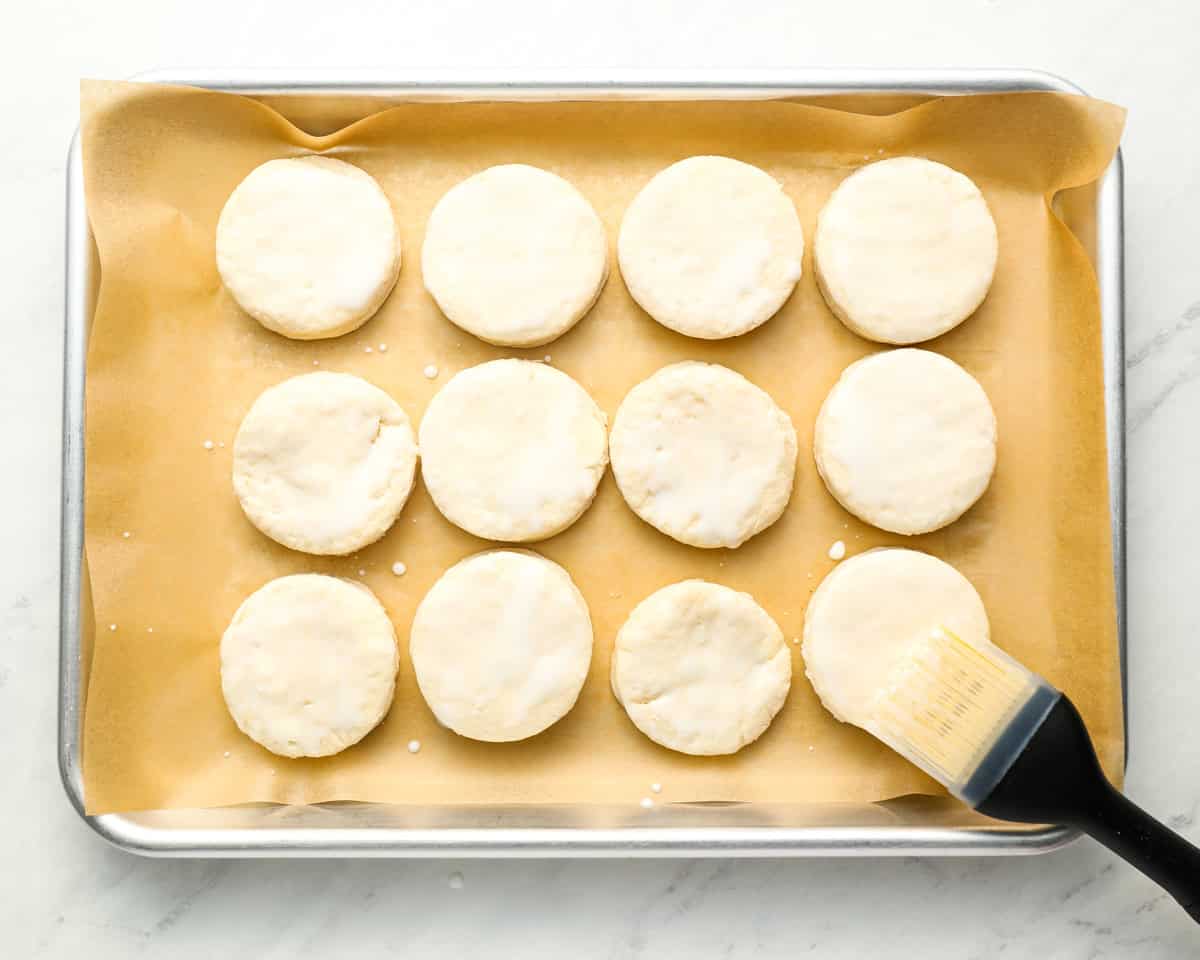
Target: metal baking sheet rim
133, 833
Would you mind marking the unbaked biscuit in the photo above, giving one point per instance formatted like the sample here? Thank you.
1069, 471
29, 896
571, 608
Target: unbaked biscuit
701, 668
512, 450
905, 250
866, 617
308, 246
711, 247
324, 462
702, 454
514, 255
501, 645
906, 440
308, 665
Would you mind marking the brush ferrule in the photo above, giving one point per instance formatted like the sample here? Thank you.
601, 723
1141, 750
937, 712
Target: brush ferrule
1012, 739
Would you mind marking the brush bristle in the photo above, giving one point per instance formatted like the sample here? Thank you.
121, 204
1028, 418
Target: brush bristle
947, 704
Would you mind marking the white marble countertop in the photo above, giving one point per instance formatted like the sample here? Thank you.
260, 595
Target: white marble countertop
63, 892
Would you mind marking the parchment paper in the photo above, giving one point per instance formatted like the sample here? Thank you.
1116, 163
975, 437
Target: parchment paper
173, 363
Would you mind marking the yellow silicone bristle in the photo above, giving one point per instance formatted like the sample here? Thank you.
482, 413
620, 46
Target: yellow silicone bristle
947, 702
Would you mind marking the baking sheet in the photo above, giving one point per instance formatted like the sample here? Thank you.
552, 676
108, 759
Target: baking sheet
172, 363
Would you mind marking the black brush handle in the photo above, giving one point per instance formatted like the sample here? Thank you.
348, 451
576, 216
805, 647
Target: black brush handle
1057, 779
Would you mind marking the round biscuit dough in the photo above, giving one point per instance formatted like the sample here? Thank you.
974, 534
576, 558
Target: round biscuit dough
501, 645
514, 255
324, 462
905, 250
906, 440
868, 614
513, 450
308, 665
711, 247
703, 455
701, 668
308, 246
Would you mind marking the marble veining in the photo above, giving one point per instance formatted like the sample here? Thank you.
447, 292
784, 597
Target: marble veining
1175, 352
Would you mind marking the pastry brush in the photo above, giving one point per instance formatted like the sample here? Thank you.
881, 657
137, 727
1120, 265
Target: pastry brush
1007, 743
